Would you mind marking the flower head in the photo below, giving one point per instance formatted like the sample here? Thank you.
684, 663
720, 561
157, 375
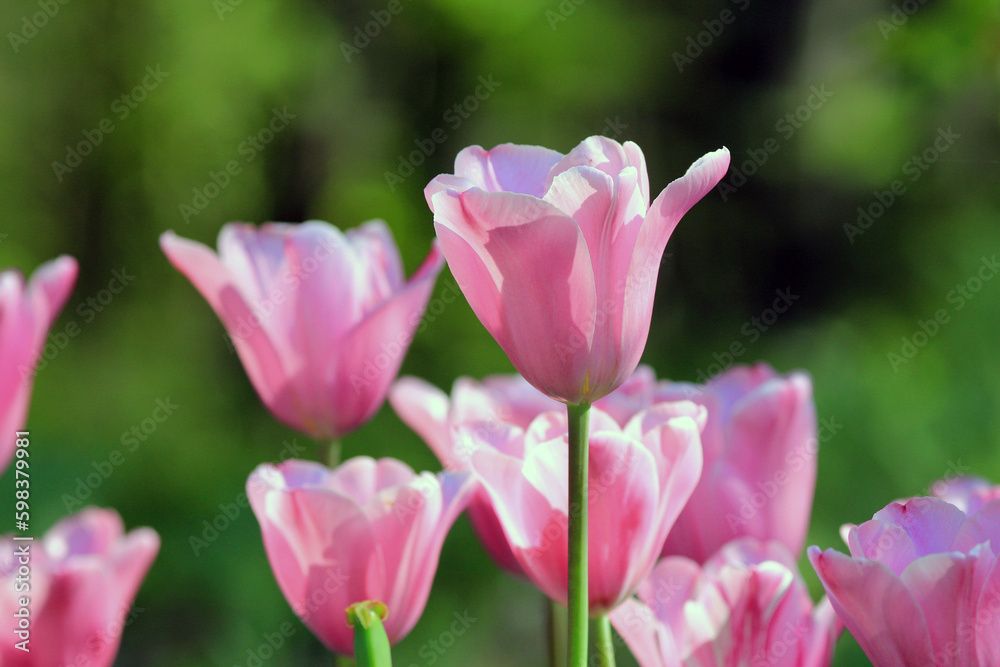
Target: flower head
558, 255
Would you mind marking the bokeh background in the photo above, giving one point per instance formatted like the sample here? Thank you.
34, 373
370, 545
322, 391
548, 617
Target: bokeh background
854, 96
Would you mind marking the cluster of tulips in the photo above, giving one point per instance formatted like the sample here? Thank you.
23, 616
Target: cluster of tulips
674, 512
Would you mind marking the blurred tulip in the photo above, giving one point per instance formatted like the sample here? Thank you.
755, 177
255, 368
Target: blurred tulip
79, 582
367, 530
321, 319
747, 605
26, 314
921, 586
966, 492
558, 255
640, 476
760, 447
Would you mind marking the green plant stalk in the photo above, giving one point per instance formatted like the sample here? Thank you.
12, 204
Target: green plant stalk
579, 600
371, 643
328, 452
558, 630
603, 641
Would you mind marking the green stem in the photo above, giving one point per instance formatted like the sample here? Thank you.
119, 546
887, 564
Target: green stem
371, 644
328, 452
343, 661
558, 629
579, 600
603, 642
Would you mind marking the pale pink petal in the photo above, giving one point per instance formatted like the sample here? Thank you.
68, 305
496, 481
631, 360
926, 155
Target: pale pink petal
366, 360
507, 168
529, 281
27, 312
942, 585
624, 494
876, 607
931, 524
424, 408
649, 641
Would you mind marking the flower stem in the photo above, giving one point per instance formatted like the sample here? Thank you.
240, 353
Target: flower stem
328, 452
579, 600
557, 633
603, 642
371, 644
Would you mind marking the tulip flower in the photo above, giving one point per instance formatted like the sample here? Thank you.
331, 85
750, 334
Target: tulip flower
26, 314
921, 586
476, 414
558, 254
966, 492
760, 461
366, 531
80, 582
640, 476
747, 605
320, 319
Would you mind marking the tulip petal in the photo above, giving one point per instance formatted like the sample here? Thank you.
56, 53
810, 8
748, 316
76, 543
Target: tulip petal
650, 643
942, 584
507, 168
361, 368
424, 408
876, 607
537, 256
624, 496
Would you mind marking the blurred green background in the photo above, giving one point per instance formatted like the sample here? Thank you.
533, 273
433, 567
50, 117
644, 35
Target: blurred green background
824, 105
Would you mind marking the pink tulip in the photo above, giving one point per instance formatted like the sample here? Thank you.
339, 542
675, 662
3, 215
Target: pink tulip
368, 530
558, 254
640, 477
26, 314
477, 413
967, 493
760, 461
81, 580
747, 605
321, 320
922, 584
